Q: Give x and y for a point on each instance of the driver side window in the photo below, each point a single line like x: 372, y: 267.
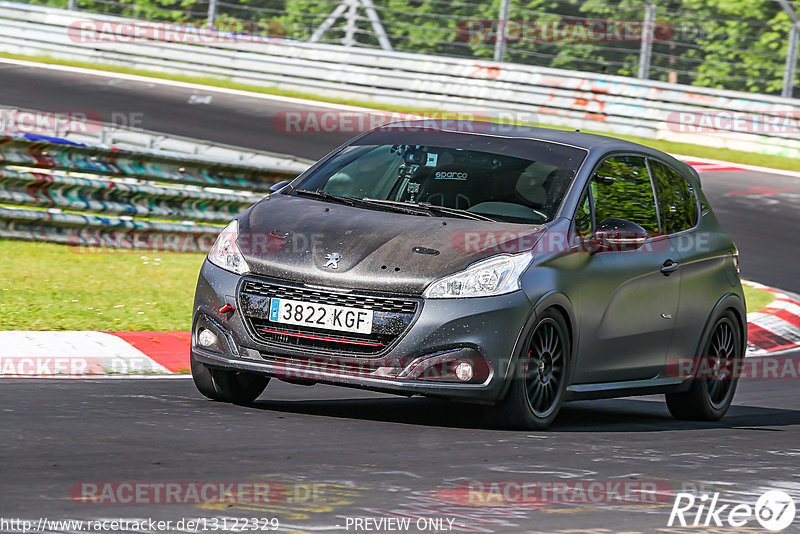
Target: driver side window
x: 621, y: 189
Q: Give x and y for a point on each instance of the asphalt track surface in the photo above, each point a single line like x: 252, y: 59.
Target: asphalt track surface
x: 372, y: 455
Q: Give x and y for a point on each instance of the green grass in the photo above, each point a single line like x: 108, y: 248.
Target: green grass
x: 756, y: 299
x: 54, y: 287
x: 700, y: 151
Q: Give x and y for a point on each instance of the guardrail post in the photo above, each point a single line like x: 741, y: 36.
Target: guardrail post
x: 791, y: 50
x: 500, y: 38
x: 648, y: 34
x: 72, y: 5
x: 791, y: 63
x: 377, y: 27
x: 350, y: 26
x: 212, y: 14
x: 351, y: 7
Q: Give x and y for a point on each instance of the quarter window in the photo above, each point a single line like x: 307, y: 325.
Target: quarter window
x: 621, y: 189
x: 583, y: 217
x: 677, y: 200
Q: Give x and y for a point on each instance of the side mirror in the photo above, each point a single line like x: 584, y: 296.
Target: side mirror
x: 619, y: 235
x: 280, y: 185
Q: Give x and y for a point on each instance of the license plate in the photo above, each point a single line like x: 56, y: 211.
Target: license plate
x: 325, y: 316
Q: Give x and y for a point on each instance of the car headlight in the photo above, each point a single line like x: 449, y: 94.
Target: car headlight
x: 494, y: 276
x: 225, y: 253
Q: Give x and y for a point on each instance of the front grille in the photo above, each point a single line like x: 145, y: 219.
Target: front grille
x: 391, y: 318
x: 320, y: 296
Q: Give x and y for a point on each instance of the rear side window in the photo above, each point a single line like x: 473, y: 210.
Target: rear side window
x: 677, y: 200
x: 621, y: 189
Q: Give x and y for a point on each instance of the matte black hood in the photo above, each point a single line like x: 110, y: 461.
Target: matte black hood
x: 288, y: 237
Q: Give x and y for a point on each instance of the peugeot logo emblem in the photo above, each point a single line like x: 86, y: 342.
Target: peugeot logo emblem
x: 333, y: 260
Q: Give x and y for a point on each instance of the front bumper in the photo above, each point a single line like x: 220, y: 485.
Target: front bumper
x: 484, y: 331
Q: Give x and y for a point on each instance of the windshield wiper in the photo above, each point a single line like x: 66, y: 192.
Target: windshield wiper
x: 364, y: 202
x: 434, y: 208
x: 422, y: 208
x: 326, y: 196
x: 456, y: 211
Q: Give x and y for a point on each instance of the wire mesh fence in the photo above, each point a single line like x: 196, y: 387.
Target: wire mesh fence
x: 745, y: 45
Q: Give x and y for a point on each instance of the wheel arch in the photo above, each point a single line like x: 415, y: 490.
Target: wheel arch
x: 732, y: 302
x: 560, y: 303
x: 728, y: 302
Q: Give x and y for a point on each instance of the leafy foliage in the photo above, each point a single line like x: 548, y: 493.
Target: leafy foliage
x: 726, y: 44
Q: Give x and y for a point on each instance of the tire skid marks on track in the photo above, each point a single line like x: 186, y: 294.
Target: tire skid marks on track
x: 300, y: 502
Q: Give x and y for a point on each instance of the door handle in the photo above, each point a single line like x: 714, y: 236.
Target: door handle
x: 669, y: 267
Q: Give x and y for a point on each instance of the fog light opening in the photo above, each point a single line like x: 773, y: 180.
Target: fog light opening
x: 464, y: 371
x: 206, y: 338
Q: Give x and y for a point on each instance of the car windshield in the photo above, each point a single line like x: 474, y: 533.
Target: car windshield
x: 520, y: 181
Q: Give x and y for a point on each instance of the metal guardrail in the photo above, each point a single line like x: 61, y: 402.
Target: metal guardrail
x: 573, y: 99
x: 104, y: 196
x: 119, y: 198
x: 142, y: 165
x: 85, y: 130
x: 95, y: 231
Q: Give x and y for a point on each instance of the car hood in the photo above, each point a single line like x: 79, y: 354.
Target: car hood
x: 290, y: 238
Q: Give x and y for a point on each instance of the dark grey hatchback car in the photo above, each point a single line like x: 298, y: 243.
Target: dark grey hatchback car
x: 503, y: 265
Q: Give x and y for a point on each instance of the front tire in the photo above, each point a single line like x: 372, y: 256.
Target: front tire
x: 540, y: 378
x: 237, y: 387
x: 716, y: 377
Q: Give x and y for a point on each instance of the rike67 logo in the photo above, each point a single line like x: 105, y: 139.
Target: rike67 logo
x: 774, y: 511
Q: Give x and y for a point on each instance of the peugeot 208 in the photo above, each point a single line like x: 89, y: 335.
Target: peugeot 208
x: 512, y: 266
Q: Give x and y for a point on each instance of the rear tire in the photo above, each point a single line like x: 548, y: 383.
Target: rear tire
x: 540, y: 376
x: 237, y: 387
x: 716, y: 378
